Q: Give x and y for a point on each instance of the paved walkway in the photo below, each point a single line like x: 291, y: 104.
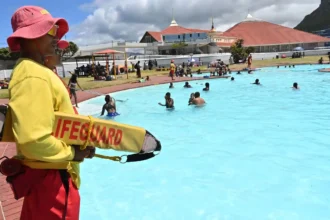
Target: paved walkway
x: 9, y: 207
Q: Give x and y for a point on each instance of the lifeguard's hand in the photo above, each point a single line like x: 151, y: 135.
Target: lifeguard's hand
x: 80, y: 155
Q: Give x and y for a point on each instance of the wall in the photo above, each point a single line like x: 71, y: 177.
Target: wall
x: 6, y: 64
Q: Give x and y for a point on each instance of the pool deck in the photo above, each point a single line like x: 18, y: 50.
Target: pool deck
x: 9, y: 207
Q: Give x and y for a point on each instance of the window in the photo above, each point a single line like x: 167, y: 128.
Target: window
x: 163, y: 38
x: 178, y: 36
x: 190, y: 35
x: 198, y: 35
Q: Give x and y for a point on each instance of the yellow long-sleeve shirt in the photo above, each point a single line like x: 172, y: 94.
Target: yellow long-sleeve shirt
x: 35, y: 94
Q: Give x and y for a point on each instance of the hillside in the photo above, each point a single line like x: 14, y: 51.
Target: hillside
x: 319, y: 19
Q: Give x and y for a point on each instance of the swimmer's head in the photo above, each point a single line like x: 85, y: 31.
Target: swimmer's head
x: 186, y: 83
x: 197, y: 94
x: 232, y: 78
x: 107, y: 98
x: 295, y: 85
x: 168, y: 95
x: 171, y: 84
x: 257, y: 80
x: 207, y: 85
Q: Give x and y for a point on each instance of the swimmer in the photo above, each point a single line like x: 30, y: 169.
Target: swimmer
x: 198, y: 100
x: 239, y: 72
x: 295, y: 86
x: 109, y: 106
x: 207, y: 87
x: 169, y: 102
x: 250, y: 72
x: 232, y: 79
x: 293, y: 66
x: 278, y: 67
x: 171, y: 86
x: 257, y: 82
x: 186, y: 85
x: 191, y: 99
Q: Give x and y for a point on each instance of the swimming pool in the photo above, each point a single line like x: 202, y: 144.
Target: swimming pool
x: 253, y: 152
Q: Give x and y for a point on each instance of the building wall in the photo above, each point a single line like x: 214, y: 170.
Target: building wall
x: 285, y: 47
x: 222, y: 39
x: 171, y: 38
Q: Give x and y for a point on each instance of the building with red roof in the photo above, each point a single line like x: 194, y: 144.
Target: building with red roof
x: 262, y: 35
x: 269, y: 37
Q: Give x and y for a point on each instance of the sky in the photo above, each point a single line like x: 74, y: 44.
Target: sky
x: 102, y: 21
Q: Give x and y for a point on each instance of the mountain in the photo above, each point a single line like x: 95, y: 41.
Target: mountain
x: 319, y: 19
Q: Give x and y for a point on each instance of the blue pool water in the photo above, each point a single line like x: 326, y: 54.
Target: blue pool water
x: 253, y: 152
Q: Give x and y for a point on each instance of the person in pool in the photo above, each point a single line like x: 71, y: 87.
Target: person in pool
x: 198, y: 100
x: 186, y: 85
x: 171, y: 85
x: 207, y: 87
x: 191, y: 99
x: 257, y: 82
x: 232, y: 79
x: 239, y: 72
x: 295, y: 86
x: 109, y: 106
x: 169, y: 102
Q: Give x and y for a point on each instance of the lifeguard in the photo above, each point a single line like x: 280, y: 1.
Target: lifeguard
x: 50, y: 184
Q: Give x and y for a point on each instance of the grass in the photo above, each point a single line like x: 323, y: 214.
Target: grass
x: 89, y: 83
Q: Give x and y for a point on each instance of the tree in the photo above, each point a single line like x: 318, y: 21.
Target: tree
x: 70, y: 51
x: 249, y: 50
x: 6, y: 55
x: 239, y: 52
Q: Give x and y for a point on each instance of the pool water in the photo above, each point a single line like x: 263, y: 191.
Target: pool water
x: 253, y: 152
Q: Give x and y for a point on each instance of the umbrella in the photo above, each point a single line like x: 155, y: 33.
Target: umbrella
x: 113, y: 52
x: 62, y: 44
x: 298, y: 49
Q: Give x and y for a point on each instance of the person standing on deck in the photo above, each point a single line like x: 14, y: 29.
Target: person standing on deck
x: 249, y: 61
x: 51, y: 179
x: 138, y: 69
x: 172, y: 69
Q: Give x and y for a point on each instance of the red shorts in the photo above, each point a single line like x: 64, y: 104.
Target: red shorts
x: 47, y: 200
x: 171, y: 73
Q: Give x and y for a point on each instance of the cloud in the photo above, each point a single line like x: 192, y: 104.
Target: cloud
x: 111, y: 20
